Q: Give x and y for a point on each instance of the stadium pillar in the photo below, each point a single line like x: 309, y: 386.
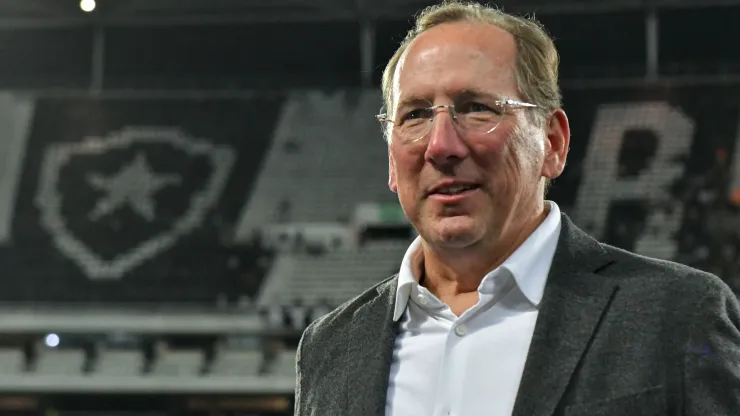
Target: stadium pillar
x: 367, y: 51
x: 652, y: 39
x: 97, y: 63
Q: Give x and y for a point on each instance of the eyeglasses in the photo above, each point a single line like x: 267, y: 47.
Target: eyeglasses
x: 414, y: 123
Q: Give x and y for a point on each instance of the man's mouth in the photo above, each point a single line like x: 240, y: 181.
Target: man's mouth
x: 451, y: 190
x: 454, y: 189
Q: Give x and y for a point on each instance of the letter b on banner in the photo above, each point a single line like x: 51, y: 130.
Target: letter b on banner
x: 601, y: 184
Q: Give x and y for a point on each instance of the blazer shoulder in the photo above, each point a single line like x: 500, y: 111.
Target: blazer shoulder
x: 629, y: 265
x: 328, y: 324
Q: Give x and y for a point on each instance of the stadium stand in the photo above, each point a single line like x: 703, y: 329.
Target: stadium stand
x: 326, y: 156
x: 333, y: 277
x: 118, y: 362
x: 658, y: 164
x: 269, y: 208
x: 12, y: 361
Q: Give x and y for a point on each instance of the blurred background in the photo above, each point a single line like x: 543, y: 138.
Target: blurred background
x: 186, y: 184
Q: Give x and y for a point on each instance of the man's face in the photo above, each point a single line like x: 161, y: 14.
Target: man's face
x: 503, y: 169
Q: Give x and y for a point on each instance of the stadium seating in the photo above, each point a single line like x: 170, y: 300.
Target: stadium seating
x: 326, y: 156
x: 233, y: 362
x: 177, y: 363
x: 119, y: 363
x: 12, y: 361
x: 284, y: 364
x: 110, y: 368
x: 334, y: 277
x: 59, y: 362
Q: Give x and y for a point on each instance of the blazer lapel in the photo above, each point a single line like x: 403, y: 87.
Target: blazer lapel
x: 573, y: 303
x: 373, y: 334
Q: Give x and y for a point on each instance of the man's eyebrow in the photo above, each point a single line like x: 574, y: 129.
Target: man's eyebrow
x: 412, y: 100
x: 464, y: 94
x: 472, y: 93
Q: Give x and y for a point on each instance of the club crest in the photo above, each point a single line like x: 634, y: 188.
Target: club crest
x: 111, y: 204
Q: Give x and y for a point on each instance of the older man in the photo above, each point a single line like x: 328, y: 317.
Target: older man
x: 501, y: 305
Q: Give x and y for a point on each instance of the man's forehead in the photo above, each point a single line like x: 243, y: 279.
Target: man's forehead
x: 473, y: 53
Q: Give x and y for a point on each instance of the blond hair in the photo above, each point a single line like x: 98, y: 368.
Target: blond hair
x: 537, y: 60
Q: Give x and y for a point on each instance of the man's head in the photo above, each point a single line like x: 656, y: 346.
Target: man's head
x: 474, y: 58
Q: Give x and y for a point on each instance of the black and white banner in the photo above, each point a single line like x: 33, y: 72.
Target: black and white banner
x: 128, y: 200
x: 657, y: 171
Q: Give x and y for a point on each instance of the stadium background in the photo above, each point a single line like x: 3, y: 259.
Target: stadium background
x: 184, y: 185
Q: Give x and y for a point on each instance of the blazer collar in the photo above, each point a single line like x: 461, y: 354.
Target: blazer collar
x: 575, y: 300
x: 371, y: 337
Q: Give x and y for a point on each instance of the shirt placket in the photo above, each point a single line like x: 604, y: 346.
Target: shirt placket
x: 447, y: 385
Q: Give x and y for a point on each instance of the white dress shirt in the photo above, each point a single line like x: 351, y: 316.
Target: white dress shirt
x: 471, y: 365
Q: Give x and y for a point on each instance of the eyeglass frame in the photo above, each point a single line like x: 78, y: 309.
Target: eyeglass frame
x: 512, y: 104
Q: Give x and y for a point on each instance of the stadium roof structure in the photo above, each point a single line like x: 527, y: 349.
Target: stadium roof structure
x: 29, y: 13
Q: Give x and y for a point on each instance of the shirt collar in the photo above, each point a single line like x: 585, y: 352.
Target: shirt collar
x: 406, y: 278
x: 529, y: 264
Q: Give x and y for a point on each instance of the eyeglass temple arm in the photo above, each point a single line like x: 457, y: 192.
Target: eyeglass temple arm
x: 384, y: 116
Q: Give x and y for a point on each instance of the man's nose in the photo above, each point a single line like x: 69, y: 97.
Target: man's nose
x: 445, y: 142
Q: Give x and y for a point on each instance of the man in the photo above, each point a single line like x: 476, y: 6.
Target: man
x: 502, y: 306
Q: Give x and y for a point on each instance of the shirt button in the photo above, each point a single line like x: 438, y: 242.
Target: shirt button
x: 461, y: 330
x: 423, y: 300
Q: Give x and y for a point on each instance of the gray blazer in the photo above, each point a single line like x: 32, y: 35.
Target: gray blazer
x: 617, y: 334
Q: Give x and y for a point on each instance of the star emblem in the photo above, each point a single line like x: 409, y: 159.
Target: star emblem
x: 134, y: 185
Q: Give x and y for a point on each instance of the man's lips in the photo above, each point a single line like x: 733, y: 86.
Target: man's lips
x: 452, y: 187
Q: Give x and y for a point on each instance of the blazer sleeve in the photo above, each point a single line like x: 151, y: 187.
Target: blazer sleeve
x: 712, y: 357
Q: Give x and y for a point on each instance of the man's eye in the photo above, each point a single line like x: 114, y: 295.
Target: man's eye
x: 418, y: 114
x: 475, y: 107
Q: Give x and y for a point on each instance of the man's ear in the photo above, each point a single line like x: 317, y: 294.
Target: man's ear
x: 557, y: 133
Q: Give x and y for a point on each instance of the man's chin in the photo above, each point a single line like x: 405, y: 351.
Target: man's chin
x: 458, y: 231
